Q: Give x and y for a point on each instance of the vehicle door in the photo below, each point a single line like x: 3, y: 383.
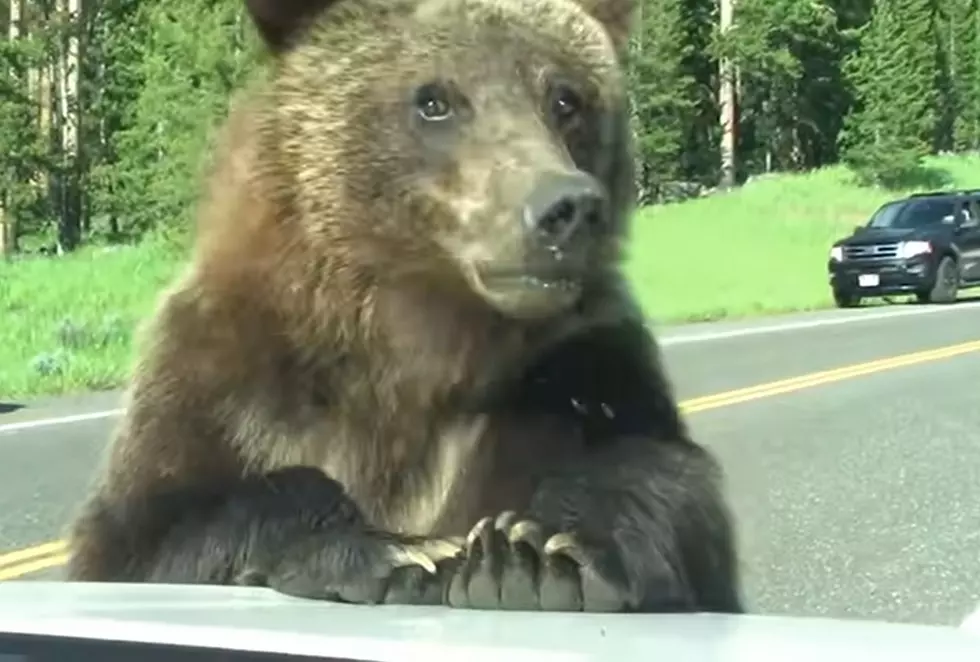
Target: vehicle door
x: 968, y: 240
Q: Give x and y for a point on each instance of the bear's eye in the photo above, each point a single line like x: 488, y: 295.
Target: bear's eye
x: 432, y: 102
x: 565, y: 103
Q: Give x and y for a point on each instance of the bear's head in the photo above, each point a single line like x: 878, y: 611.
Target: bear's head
x: 477, y: 146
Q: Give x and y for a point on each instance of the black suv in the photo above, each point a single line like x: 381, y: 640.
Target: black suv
x: 927, y: 244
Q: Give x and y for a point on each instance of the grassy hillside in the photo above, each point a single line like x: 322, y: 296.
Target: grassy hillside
x: 761, y: 248
x: 67, y: 323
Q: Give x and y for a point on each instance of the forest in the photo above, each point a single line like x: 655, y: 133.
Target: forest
x: 107, y: 106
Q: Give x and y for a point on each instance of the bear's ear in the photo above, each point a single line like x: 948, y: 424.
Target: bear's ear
x: 616, y: 15
x: 279, y: 22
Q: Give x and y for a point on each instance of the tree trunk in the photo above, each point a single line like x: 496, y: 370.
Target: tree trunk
x: 8, y: 223
x: 726, y: 94
x: 69, y: 217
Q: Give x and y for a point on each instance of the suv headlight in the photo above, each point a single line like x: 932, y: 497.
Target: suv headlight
x: 837, y: 254
x: 907, y: 249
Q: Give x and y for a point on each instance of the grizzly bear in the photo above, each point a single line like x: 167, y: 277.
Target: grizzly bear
x: 403, y: 365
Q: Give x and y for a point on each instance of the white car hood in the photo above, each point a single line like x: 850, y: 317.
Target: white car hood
x: 260, y: 620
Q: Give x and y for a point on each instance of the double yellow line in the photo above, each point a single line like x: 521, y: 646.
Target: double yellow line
x: 824, y: 377
x: 52, y: 554
x: 33, y: 559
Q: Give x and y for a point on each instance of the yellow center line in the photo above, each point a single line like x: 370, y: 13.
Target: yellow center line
x: 13, y: 558
x: 770, y: 389
x: 51, y: 554
x: 37, y: 564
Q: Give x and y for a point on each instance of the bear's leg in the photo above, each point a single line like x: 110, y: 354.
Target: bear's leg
x: 294, y: 530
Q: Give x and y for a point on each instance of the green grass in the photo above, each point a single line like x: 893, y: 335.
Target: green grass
x: 66, y: 324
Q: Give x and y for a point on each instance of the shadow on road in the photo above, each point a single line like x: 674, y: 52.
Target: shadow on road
x: 900, y: 300
x: 9, y: 407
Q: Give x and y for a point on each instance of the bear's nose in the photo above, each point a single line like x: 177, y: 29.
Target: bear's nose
x: 560, y: 205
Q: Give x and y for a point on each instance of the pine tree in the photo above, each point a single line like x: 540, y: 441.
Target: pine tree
x: 194, y: 49
x: 782, y: 49
x: 960, y: 36
x: 700, y: 156
x: 661, y: 93
x: 890, y: 128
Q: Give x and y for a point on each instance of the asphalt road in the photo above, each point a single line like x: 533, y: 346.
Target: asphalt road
x: 856, y: 497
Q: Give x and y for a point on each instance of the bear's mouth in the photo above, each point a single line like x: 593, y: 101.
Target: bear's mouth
x: 528, y: 293
x: 554, y: 278
x: 527, y: 281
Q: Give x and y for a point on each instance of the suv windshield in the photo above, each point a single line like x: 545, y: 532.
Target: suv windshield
x: 913, y: 213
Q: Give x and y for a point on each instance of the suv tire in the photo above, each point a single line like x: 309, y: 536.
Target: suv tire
x: 845, y: 299
x: 947, y: 283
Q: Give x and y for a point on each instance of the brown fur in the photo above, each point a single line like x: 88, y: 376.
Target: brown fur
x: 332, y: 317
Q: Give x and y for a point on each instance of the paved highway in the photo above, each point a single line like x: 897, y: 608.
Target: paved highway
x: 851, y: 441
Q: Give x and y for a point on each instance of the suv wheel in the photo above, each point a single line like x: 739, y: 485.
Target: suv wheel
x: 947, y: 283
x: 845, y: 299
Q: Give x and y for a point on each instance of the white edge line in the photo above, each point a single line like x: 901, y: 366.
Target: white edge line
x: 680, y: 339
x: 60, y: 420
x: 663, y: 342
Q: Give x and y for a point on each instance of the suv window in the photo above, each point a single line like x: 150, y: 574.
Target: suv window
x: 972, y: 212
x: 915, y: 213
x: 885, y: 215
